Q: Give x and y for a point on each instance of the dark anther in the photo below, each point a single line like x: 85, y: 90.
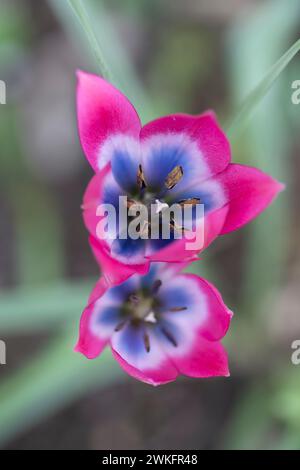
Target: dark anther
x: 140, y: 178
x: 121, y: 325
x: 193, y: 201
x: 133, y: 298
x: 169, y: 336
x: 156, y: 285
x: 177, y: 309
x: 176, y: 228
x: 147, y: 342
x: 174, y: 177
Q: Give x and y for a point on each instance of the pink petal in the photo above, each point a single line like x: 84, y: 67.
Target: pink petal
x: 88, y: 344
x: 113, y: 271
x: 152, y: 366
x: 92, y: 198
x: 162, y: 375
x: 207, y: 359
x: 198, y: 329
x: 219, y: 315
x: 98, y: 290
x: 180, y: 250
x: 249, y: 191
x: 175, y: 252
x: 102, y: 111
x: 203, y: 129
x: 167, y: 271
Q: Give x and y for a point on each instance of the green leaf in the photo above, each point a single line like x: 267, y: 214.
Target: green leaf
x: 260, y: 91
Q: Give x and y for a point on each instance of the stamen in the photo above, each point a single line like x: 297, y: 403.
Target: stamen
x: 193, y: 201
x: 138, y: 206
x: 133, y: 298
x: 176, y: 228
x: 140, y: 178
x: 177, y: 309
x: 174, y: 177
x: 156, y: 285
x: 169, y: 336
x: 121, y: 325
x: 146, y: 342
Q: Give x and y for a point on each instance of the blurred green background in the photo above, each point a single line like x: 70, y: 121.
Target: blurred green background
x: 167, y: 56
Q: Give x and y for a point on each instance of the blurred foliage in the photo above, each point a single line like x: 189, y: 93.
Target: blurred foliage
x: 14, y: 34
x: 172, y: 79
x: 179, y: 62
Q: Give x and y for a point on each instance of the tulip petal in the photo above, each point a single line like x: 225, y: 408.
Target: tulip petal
x: 152, y: 367
x: 214, y: 148
x: 248, y: 191
x: 187, y: 249
x: 125, y: 161
x: 207, y: 359
x: 218, y: 316
x: 193, y: 319
x: 102, y: 189
x: 113, y: 270
x: 90, y: 344
x: 102, y: 111
x: 129, y: 251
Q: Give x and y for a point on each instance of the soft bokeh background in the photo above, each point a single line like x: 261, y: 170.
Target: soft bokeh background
x: 167, y: 56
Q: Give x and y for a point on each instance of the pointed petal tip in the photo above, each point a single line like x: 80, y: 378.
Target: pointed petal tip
x: 211, y: 113
x: 81, y: 74
x: 78, y: 72
x: 281, y: 186
x: 277, y: 186
x: 81, y: 350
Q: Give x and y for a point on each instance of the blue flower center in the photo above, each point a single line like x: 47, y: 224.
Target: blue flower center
x: 144, y: 309
x: 146, y: 198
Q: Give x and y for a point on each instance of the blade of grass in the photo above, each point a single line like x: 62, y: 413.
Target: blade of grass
x: 260, y: 91
x: 83, y: 18
x: 266, y: 144
x: 56, y: 377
